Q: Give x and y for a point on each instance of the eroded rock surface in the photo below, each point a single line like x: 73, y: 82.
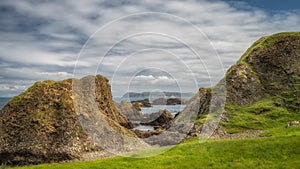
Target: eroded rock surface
x: 41, y: 125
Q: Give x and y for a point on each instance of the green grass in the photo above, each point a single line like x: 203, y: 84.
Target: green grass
x: 273, y: 152
x: 281, y: 131
x: 261, y: 115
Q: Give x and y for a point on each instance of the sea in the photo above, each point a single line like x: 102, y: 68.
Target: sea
x: 3, y: 101
x: 174, y: 109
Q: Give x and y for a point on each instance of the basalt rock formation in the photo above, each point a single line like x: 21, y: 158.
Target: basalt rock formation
x: 270, y: 69
x: 41, y: 124
x: 271, y: 66
x: 130, y: 111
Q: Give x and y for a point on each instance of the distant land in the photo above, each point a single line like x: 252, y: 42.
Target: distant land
x: 133, y: 96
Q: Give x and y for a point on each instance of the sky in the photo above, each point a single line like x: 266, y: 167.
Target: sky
x: 146, y: 45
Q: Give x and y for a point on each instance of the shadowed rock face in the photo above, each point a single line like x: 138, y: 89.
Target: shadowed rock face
x: 41, y: 125
x: 129, y: 110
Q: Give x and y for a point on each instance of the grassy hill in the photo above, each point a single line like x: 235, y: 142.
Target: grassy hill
x: 263, y: 87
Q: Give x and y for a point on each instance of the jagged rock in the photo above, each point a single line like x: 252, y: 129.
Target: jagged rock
x: 269, y: 68
x: 160, y: 118
x: 170, y: 101
x: 105, y: 102
x: 146, y: 133
x: 130, y: 111
x: 161, y: 121
x: 243, y: 86
x: 175, y: 101
x: 41, y: 124
x: 137, y: 106
x: 204, y: 95
x: 141, y: 103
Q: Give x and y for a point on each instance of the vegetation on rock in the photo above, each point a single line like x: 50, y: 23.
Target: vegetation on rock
x: 263, y: 87
x: 41, y: 124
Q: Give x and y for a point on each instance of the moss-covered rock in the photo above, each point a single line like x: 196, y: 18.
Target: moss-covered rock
x: 41, y: 125
x: 262, y: 88
x: 270, y: 67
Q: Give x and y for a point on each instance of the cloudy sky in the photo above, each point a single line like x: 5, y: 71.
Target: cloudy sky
x: 147, y: 45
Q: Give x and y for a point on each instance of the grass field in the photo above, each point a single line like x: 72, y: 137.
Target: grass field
x: 270, y: 152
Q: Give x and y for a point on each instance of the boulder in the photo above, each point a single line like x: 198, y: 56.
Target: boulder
x: 160, y: 118
x: 141, y: 103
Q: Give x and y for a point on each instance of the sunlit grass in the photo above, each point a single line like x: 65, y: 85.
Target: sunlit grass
x: 273, y: 152
x: 261, y: 115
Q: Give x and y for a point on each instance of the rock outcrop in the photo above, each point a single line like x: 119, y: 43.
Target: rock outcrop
x: 41, y: 125
x: 160, y: 118
x: 269, y: 68
x: 204, y: 95
x: 141, y: 103
x: 170, y: 101
x: 130, y: 111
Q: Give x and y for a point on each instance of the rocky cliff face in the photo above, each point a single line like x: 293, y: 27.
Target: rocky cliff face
x: 41, y: 125
x: 270, y: 68
x: 130, y: 111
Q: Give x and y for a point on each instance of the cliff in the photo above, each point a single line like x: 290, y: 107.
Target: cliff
x: 42, y: 124
x: 271, y: 66
x: 262, y: 88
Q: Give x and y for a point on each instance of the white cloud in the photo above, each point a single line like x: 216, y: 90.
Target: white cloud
x: 150, y: 79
